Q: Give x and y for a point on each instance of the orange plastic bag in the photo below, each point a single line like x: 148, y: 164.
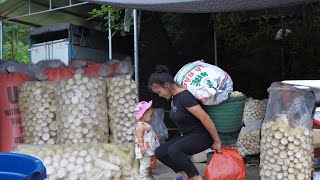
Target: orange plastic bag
x: 228, y: 165
x: 59, y: 74
x: 153, y: 163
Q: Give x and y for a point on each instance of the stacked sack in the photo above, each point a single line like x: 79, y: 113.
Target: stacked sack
x: 12, y: 76
x: 73, y: 110
x: 67, y: 107
x: 254, y: 109
x: 82, y: 110
x: 122, y: 100
x: 249, y: 137
x: 65, y: 119
x: 38, y: 107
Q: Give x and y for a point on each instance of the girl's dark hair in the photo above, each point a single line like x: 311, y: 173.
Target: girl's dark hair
x: 161, y: 76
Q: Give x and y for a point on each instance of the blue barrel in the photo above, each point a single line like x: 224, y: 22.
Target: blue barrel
x: 21, y: 167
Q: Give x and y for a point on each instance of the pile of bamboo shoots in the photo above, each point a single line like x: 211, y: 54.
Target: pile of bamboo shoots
x: 254, y: 109
x: 86, y: 161
x: 38, y: 108
x: 236, y: 94
x: 122, y: 100
x: 249, y: 138
x: 82, y: 110
x: 286, y: 151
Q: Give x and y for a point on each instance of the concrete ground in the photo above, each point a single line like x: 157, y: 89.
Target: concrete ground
x: 162, y: 172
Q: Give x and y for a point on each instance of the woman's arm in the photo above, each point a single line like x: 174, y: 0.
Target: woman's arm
x: 207, y: 122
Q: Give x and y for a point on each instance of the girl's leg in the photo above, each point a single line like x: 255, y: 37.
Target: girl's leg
x: 145, y: 163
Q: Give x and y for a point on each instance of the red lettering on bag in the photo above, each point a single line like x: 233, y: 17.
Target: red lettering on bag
x: 185, y: 85
x: 199, y: 68
x: 191, y: 74
x: 187, y: 80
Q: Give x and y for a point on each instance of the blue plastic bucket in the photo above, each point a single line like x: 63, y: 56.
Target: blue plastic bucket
x: 22, y: 167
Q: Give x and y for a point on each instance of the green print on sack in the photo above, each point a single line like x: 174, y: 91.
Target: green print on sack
x: 218, y: 81
x: 224, y: 87
x: 196, y: 81
x: 189, y: 74
x: 209, y: 83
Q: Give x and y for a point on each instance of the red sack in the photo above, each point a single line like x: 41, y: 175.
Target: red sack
x: 153, y: 162
x: 54, y: 70
x: 87, y: 67
x: 93, y: 70
x: 11, y: 131
x: 59, y: 74
x: 98, y: 70
x: 120, y: 67
x: 228, y: 165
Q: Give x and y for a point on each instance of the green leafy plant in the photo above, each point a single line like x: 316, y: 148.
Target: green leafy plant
x: 15, y: 44
x: 226, y: 24
x: 116, y: 17
x: 251, y: 35
x: 237, y: 29
x: 173, y: 24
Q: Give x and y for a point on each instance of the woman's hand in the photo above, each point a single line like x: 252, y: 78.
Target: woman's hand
x: 217, y: 146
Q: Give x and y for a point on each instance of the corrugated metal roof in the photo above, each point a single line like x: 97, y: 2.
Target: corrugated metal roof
x: 76, y: 14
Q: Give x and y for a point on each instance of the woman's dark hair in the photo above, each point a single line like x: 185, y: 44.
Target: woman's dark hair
x: 161, y: 76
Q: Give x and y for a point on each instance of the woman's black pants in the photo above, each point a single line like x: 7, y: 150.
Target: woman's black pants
x: 174, y: 153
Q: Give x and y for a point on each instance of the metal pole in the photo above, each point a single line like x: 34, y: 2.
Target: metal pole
x: 110, y: 35
x: 50, y: 4
x: 29, y: 5
x: 139, y: 22
x: 1, y: 39
x: 135, y: 41
x: 215, y: 46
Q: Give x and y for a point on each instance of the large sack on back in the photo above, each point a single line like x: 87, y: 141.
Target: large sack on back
x: 208, y: 83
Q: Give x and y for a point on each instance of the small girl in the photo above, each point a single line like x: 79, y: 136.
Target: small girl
x: 145, y: 138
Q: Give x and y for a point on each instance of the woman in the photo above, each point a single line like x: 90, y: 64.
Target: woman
x: 198, y: 130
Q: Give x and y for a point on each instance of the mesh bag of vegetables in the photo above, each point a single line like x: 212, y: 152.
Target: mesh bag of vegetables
x: 122, y: 99
x: 82, y: 110
x: 38, y: 110
x: 249, y: 138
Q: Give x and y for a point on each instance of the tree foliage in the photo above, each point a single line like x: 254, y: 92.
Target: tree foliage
x: 117, y: 17
x: 15, y: 42
x: 296, y: 53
